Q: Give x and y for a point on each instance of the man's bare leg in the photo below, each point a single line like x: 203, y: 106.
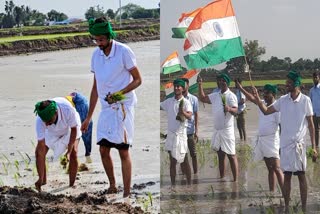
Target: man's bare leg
x: 287, y: 189
x: 271, y: 174
x: 73, y: 165
x: 41, y: 152
x: 222, y: 162
x: 173, y: 163
x: 126, y: 171
x: 234, y: 166
x: 187, y: 169
x: 108, y: 167
x: 278, y: 171
x: 303, y: 190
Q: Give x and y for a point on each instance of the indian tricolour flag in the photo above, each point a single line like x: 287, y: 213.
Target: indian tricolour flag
x: 183, y: 24
x: 213, y: 36
x: 193, y: 86
x: 171, y: 64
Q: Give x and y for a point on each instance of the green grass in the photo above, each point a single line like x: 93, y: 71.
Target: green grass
x: 207, y: 85
x: 35, y: 37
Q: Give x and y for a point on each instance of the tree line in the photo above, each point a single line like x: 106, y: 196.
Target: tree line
x: 254, y: 52
x: 16, y: 16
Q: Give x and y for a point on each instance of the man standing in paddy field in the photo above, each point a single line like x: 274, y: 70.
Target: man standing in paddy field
x: 192, y: 128
x: 115, y: 72
x: 224, y: 107
x: 296, y: 116
x: 241, y: 121
x: 178, y: 110
x: 315, y: 99
x: 267, y: 141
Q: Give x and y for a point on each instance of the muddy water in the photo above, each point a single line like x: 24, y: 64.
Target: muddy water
x: 209, y: 194
x: 28, y: 79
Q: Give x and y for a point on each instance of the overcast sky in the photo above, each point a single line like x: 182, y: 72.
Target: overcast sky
x: 77, y: 8
x: 284, y: 27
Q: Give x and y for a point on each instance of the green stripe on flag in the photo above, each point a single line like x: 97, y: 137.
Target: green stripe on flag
x: 179, y: 32
x: 171, y: 69
x: 215, y: 53
x: 193, y: 88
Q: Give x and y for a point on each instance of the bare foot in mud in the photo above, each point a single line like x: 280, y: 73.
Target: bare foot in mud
x: 126, y: 194
x: 112, y: 190
x: 38, y: 185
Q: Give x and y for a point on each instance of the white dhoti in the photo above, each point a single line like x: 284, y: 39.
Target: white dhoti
x: 266, y: 147
x: 224, y: 139
x: 293, y: 157
x: 59, y: 144
x: 177, y: 144
x: 116, y: 124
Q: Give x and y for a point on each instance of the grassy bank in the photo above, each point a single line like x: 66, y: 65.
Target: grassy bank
x: 258, y: 83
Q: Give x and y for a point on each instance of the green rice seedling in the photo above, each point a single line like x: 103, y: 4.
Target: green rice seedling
x: 16, y: 177
x: 1, y: 182
x: 5, y: 157
x: 5, y: 168
x: 34, y: 170
x: 269, y: 210
x: 33, y: 144
x: 26, y: 159
x: 211, y: 192
x: 16, y: 164
x: 150, y: 198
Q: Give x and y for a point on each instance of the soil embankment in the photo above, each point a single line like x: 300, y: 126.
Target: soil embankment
x: 70, y: 42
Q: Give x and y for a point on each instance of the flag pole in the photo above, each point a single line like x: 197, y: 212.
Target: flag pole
x: 247, y: 66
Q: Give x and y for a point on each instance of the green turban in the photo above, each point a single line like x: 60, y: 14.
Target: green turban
x: 179, y: 82
x: 295, y: 77
x: 48, y: 112
x: 271, y: 88
x: 225, y: 77
x: 103, y: 28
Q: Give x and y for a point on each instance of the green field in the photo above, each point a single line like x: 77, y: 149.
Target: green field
x: 248, y: 83
x: 35, y: 37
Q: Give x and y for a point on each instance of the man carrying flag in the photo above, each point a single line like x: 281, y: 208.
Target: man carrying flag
x: 224, y: 107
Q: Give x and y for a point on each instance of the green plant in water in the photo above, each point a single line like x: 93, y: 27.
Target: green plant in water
x: 150, y: 198
x: 33, y: 144
x: 16, y: 164
x: 6, y: 158
x: 5, y: 168
x: 16, y: 177
x: 1, y: 182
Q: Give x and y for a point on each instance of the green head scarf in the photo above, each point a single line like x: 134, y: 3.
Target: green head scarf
x: 103, y: 28
x: 295, y: 77
x: 48, y: 112
x: 179, y: 82
x: 225, y: 77
x: 271, y: 88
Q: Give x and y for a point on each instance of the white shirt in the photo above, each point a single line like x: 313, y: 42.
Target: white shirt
x: 293, y: 117
x: 67, y: 118
x: 195, y: 106
x: 268, y: 124
x: 315, y: 99
x: 222, y: 120
x: 112, y: 72
x: 171, y: 106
